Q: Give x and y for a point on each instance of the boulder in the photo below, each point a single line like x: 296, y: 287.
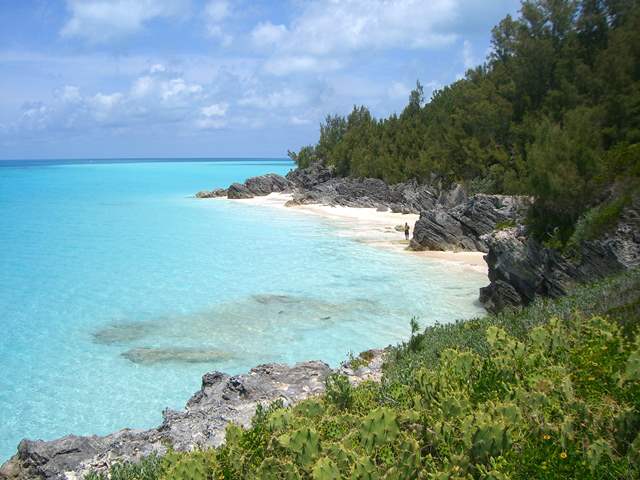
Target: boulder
x: 461, y: 227
x: 238, y: 191
x: 310, y: 176
x: 266, y: 184
x: 217, y: 192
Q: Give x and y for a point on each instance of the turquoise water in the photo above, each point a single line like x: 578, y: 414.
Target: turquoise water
x: 118, y: 290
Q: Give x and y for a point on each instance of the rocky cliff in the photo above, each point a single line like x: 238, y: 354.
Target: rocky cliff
x: 520, y: 268
x: 221, y: 400
x: 462, y: 226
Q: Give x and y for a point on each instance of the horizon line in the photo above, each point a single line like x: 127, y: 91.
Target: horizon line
x: 53, y: 159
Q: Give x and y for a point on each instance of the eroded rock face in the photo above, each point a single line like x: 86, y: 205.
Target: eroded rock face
x: 311, y: 176
x: 254, y: 186
x: 461, y: 227
x: 221, y: 399
x: 318, y: 184
x: 520, y: 268
x: 266, y: 184
x: 217, y: 192
x: 239, y: 191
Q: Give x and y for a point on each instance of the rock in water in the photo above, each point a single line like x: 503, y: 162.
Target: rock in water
x: 238, y: 191
x: 151, y: 356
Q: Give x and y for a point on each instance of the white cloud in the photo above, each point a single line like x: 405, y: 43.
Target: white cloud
x: 328, y: 29
x: 70, y: 93
x: 215, y: 12
x: 212, y: 116
x: 215, y: 110
x: 151, y: 99
x: 284, y: 65
x: 296, y: 120
x: 328, y: 26
x: 157, y: 68
x: 142, y: 86
x: 285, y: 98
x: 104, y: 104
x: 266, y: 34
x: 100, y: 21
x: 178, y: 88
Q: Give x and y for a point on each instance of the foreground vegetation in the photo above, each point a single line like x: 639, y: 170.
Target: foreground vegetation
x: 554, y: 113
x: 550, y: 392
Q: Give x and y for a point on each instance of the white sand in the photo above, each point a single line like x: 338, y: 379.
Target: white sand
x: 370, y: 226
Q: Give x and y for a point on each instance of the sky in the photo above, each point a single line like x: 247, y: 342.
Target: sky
x: 219, y: 78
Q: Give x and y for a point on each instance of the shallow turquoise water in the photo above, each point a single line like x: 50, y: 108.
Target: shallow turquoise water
x: 118, y: 290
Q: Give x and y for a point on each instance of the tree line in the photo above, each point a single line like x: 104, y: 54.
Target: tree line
x: 554, y: 112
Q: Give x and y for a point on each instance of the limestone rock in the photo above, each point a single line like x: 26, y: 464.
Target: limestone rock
x: 461, y: 227
x: 266, y: 184
x: 217, y: 192
x: 239, y: 191
x: 520, y: 268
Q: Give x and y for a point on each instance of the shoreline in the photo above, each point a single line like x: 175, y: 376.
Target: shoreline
x: 371, y: 227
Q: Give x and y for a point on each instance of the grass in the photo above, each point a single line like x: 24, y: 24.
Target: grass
x: 549, y: 392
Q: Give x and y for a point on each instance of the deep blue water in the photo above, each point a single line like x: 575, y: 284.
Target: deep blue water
x: 118, y: 290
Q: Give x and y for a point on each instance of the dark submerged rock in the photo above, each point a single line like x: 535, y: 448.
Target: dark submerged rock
x: 152, y: 356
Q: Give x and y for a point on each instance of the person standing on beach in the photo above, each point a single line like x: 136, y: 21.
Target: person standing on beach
x: 406, y: 231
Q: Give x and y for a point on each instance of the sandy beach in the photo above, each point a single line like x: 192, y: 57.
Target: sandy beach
x: 367, y: 225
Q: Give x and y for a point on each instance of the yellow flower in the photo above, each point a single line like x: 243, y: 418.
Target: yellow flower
x: 546, y: 437
x: 563, y: 455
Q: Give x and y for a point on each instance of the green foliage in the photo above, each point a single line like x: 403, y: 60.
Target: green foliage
x: 378, y: 428
x: 305, y: 157
x: 550, y: 392
x: 338, y: 391
x: 598, y: 220
x: 149, y: 468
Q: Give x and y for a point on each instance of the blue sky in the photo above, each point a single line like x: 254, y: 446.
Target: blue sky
x: 146, y: 78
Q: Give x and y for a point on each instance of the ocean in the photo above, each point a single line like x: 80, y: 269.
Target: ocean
x: 119, y: 290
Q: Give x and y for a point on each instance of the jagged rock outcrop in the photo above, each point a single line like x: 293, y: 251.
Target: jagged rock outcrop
x: 252, y: 187
x: 520, y: 268
x: 311, y: 176
x: 318, y: 184
x: 238, y: 191
x: 461, y: 227
x: 266, y: 184
x: 215, y: 193
x: 221, y: 400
